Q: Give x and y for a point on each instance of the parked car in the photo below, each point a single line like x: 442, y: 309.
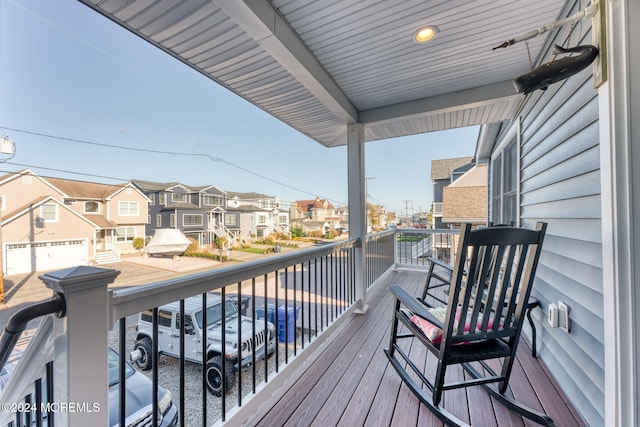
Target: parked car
x: 139, y: 391
x: 238, y: 355
x: 138, y: 400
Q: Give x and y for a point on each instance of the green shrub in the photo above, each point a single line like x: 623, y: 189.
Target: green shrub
x: 297, y: 232
x: 138, y: 243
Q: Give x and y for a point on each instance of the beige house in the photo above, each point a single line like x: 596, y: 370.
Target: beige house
x: 315, y: 210
x: 52, y: 223
x: 465, y: 199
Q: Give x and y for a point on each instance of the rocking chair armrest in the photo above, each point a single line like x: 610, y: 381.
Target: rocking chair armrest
x: 440, y: 263
x: 414, y: 305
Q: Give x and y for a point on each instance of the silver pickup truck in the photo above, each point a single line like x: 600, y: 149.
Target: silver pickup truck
x: 238, y: 353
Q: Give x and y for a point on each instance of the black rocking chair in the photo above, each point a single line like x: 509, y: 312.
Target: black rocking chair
x: 490, y: 285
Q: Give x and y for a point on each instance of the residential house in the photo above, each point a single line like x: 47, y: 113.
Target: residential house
x: 318, y: 210
x: 257, y: 215
x: 198, y: 212
x: 443, y: 173
x: 52, y: 223
x: 465, y: 199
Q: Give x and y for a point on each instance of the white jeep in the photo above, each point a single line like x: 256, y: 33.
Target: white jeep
x: 237, y: 355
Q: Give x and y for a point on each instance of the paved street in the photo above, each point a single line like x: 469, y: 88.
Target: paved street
x: 22, y: 290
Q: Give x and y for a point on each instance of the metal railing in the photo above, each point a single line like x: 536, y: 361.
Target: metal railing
x: 304, y: 294
x: 414, y: 246
x: 381, y: 255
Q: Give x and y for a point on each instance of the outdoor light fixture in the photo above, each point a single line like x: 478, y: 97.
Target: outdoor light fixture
x: 425, y: 34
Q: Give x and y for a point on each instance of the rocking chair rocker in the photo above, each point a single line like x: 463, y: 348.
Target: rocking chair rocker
x: 490, y: 285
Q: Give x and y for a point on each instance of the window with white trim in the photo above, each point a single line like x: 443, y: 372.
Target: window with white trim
x: 158, y: 220
x: 230, y: 220
x: 212, y: 200
x: 49, y: 212
x: 504, y: 182
x: 262, y: 219
x: 162, y: 199
x: 128, y: 208
x: 178, y: 197
x: 193, y: 220
x: 172, y: 220
x: 125, y: 234
x: 91, y: 207
x: 152, y: 198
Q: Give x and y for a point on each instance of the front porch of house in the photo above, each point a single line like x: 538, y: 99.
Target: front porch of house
x: 328, y: 369
x: 350, y: 382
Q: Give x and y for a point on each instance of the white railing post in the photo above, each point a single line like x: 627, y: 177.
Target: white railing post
x: 81, y: 383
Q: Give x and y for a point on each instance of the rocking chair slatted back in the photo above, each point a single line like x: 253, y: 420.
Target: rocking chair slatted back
x: 491, y: 281
x: 493, y: 289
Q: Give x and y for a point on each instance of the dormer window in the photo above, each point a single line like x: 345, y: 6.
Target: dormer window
x: 178, y: 197
x: 91, y: 207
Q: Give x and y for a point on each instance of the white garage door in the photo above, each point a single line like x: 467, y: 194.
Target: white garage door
x: 39, y: 256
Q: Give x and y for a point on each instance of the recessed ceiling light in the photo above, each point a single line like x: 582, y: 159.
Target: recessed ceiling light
x: 425, y: 34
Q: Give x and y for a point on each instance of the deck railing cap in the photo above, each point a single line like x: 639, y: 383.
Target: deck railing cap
x: 81, y: 277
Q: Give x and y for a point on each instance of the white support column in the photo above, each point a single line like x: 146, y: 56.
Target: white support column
x: 357, y: 209
x: 620, y: 185
x: 81, y: 380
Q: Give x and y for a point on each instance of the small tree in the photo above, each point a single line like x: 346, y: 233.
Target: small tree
x: 138, y: 243
x: 221, y: 242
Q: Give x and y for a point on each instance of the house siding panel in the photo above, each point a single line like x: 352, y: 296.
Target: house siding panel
x: 560, y: 184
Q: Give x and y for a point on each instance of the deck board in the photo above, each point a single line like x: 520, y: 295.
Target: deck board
x: 351, y: 383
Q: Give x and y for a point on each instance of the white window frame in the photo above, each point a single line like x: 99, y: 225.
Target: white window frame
x: 179, y: 197
x: 158, y: 220
x: 152, y: 198
x: 262, y: 219
x: 56, y: 214
x: 194, y: 216
x: 126, y: 208
x: 172, y: 220
x: 229, y: 220
x: 512, y: 136
x: 212, y: 200
x: 162, y: 199
x: 129, y: 234
x: 97, y: 211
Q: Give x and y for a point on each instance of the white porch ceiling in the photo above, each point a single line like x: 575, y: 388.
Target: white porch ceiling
x: 319, y: 65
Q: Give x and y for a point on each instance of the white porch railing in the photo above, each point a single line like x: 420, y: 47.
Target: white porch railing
x: 320, y: 282
x: 414, y: 246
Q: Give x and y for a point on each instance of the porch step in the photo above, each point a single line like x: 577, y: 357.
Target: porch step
x: 106, y: 257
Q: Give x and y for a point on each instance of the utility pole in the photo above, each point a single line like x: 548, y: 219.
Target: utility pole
x: 406, y: 210
x: 7, y: 146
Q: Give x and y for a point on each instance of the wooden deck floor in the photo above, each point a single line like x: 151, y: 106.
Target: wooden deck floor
x: 352, y: 383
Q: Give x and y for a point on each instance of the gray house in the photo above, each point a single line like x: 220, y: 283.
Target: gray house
x: 548, y: 164
x: 199, y: 212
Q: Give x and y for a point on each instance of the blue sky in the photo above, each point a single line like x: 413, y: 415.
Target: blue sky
x: 74, y: 86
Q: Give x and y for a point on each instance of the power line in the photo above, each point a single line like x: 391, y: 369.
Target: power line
x: 146, y: 150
